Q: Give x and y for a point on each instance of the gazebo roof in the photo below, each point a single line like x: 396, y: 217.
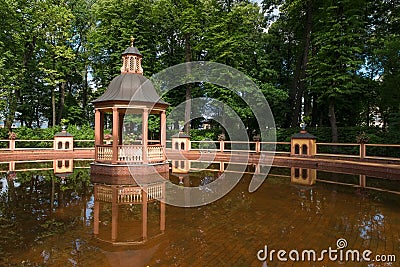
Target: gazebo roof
x: 63, y: 134
x: 132, y: 50
x: 181, y: 135
x: 304, y: 135
x: 130, y: 87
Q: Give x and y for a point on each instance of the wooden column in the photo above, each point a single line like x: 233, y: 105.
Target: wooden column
x: 97, y: 132
x: 97, y: 127
x: 363, y: 180
x: 162, y: 210
x: 114, y: 214
x: 144, y: 213
x: 163, y: 129
x: 101, y: 127
x: 11, y: 166
x: 120, y: 127
x: 115, y: 133
x: 96, y: 216
x: 145, y: 126
x: 362, y: 151
x: 258, y: 147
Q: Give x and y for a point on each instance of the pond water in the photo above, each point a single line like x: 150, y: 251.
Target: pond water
x: 50, y: 220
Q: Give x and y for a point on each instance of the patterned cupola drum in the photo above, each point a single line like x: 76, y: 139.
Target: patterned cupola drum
x: 126, y: 105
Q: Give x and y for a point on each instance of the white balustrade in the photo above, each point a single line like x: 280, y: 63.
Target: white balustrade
x: 155, y: 153
x: 103, y: 193
x: 104, y: 153
x: 130, y: 153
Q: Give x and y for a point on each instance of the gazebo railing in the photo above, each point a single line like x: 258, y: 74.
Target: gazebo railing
x: 104, y: 152
x: 129, y: 194
x: 155, y: 153
x: 130, y: 153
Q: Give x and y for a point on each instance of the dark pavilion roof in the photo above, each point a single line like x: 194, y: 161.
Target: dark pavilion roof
x: 180, y: 135
x: 131, y: 87
x: 304, y: 135
x: 131, y: 50
x: 63, y: 134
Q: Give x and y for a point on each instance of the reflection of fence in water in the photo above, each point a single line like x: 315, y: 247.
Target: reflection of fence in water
x: 39, y: 165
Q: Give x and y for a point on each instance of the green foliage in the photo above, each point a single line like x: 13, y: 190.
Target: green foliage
x: 206, y: 134
x: 56, y: 57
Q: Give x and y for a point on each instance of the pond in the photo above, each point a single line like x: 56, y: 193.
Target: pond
x: 50, y: 219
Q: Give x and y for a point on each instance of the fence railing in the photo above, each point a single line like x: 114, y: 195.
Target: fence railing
x: 20, y: 144
x: 339, y: 150
x: 343, y: 150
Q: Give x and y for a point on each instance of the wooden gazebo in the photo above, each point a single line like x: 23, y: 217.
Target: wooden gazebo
x: 129, y: 93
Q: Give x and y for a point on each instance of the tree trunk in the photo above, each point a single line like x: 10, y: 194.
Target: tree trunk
x: 314, y: 112
x: 332, y: 120
x: 300, y: 74
x: 188, y: 94
x: 84, y: 94
x: 53, y: 106
x: 62, y: 102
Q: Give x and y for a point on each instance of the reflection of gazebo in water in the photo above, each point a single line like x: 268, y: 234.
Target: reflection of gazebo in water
x: 129, y: 215
x: 129, y: 94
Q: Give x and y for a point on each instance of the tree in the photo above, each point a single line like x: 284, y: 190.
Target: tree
x: 336, y: 58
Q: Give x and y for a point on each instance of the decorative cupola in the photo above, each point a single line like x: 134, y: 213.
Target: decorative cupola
x: 132, y: 60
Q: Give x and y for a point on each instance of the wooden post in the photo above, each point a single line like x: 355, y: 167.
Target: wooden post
x: 12, y: 144
x: 145, y: 124
x: 162, y: 210
x: 114, y: 214
x: 221, y: 145
x: 363, y: 180
x: 362, y: 150
x: 258, y: 147
x: 97, y: 132
x: 163, y: 129
x: 115, y: 133
x: 11, y: 166
x: 97, y: 127
x: 101, y: 127
x: 144, y: 213
x: 120, y: 127
x: 96, y: 215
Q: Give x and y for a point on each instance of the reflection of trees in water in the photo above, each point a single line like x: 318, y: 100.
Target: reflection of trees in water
x: 29, y: 213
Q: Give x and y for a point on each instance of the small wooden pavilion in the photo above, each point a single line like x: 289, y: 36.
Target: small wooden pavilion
x: 128, y: 93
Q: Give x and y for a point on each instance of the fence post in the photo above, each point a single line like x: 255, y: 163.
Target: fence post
x: 12, y: 144
x: 221, y: 145
x: 258, y: 147
x: 362, y: 150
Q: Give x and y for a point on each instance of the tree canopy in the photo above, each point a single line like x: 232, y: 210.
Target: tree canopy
x: 330, y: 63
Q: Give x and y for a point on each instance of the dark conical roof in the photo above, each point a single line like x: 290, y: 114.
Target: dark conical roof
x: 304, y: 135
x: 181, y: 135
x: 131, y: 50
x: 131, y: 87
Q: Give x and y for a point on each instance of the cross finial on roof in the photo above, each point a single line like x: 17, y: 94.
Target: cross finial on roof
x: 132, y: 41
